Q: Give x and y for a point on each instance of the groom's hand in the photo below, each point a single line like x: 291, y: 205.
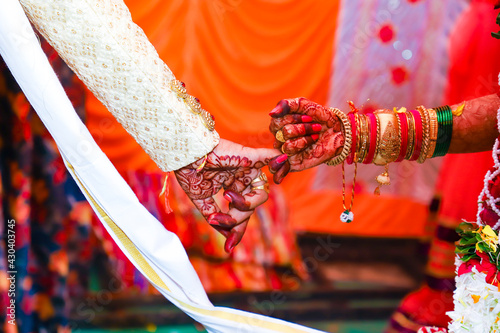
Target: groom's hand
x: 236, y: 169
x: 309, y: 133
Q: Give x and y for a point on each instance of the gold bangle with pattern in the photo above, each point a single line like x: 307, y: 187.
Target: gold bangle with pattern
x: 411, y: 135
x: 433, y: 132
x: 424, y: 113
x: 389, y: 142
x: 347, y: 131
x: 364, y: 138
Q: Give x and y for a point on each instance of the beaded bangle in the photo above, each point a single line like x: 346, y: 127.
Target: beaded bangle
x: 372, y: 125
x: 347, y: 138
x: 445, y: 130
x: 352, y: 120
x: 418, y: 135
x: 426, y: 134
x: 411, y: 135
x: 433, y: 132
x: 403, y: 135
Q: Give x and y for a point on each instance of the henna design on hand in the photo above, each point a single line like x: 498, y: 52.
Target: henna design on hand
x: 306, y: 150
x: 231, y: 167
x: 476, y: 129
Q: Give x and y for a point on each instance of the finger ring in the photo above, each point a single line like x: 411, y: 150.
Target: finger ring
x: 264, y: 187
x: 260, y: 178
x: 279, y: 136
x: 283, y: 149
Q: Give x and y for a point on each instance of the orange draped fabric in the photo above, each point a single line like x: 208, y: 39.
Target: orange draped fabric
x: 238, y: 57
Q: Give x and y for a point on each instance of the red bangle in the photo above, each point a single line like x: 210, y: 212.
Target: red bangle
x: 403, y: 130
x: 352, y: 119
x: 418, y: 135
x: 373, y: 138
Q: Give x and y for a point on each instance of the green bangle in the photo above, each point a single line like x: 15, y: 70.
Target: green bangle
x: 445, y: 130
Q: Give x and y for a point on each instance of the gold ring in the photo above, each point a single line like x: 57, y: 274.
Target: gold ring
x: 264, y: 187
x: 260, y: 178
x: 279, y: 136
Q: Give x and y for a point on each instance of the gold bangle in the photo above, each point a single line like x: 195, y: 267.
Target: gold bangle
x: 377, y: 137
x: 411, y: 135
x: 367, y: 135
x: 359, y: 145
x: 424, y: 113
x: 388, y: 143
x: 347, y: 138
x: 364, y: 138
x: 433, y: 132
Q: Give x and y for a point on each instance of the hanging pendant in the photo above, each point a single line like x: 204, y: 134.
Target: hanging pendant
x: 382, y: 179
x: 347, y: 216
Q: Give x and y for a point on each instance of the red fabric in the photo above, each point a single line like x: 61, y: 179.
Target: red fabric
x: 473, y: 73
x: 418, y: 134
x: 428, y: 307
x: 404, y: 136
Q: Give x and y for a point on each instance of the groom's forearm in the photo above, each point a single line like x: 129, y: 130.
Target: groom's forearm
x: 115, y: 60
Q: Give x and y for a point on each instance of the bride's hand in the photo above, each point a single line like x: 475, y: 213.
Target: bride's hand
x: 235, y: 169
x: 311, y: 134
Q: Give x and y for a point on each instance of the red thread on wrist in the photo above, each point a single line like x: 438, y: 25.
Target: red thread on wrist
x: 373, y: 138
x: 352, y: 120
x: 418, y: 135
x: 404, y: 136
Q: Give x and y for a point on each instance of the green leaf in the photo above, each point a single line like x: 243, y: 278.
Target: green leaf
x: 467, y: 241
x: 469, y: 257
x: 483, y: 247
x: 465, y: 227
x: 465, y: 250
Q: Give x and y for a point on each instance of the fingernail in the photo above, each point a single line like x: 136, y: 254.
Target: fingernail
x: 276, y: 110
x: 281, y: 109
x: 214, y: 222
x: 228, y: 197
x: 316, y: 127
x: 315, y: 137
x: 306, y: 119
x: 221, y: 220
x: 281, y: 159
x: 230, y: 243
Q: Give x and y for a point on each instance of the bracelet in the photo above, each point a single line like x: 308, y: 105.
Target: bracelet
x: 433, y: 133
x: 426, y: 133
x: 410, y: 122
x: 417, y: 121
x: 373, y: 135
x: 352, y: 120
x: 347, y: 138
x: 389, y: 141
x: 403, y: 135
x: 364, y: 138
x: 445, y: 130
x: 357, y: 118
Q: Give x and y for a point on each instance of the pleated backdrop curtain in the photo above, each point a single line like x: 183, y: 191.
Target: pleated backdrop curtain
x: 241, y: 57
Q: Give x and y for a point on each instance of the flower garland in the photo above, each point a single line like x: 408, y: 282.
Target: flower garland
x: 477, y: 294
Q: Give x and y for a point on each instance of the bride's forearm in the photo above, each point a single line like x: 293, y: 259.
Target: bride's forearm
x: 476, y: 129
